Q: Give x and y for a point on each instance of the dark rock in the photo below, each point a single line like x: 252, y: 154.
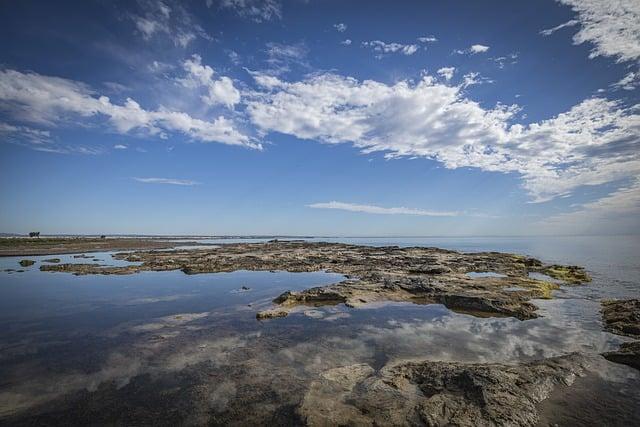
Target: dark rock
x: 27, y: 263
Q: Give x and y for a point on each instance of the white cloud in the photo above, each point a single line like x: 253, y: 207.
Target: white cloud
x: 255, y: 10
x: 478, y: 48
x: 352, y: 207
x: 168, y: 181
x: 427, y: 39
x: 473, y: 50
x: 340, y: 27
x: 51, y: 101
x: 382, y: 47
x: 219, y: 91
x: 120, y: 147
x: 550, y: 31
x: 593, y: 143
x: 346, y: 42
x: 447, y: 72
x: 629, y: 82
x: 172, y: 21
x: 613, y: 27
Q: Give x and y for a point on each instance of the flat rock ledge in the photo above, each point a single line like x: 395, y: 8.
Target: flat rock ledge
x: 416, y: 274
x: 437, y: 393
x: 622, y: 317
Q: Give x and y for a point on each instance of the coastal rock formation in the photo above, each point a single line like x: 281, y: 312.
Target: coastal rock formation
x: 26, y: 263
x: 416, y: 274
x: 52, y: 260
x: 436, y: 393
x: 622, y: 317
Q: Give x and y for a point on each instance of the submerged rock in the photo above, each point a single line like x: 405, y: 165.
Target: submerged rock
x: 437, y: 393
x: 26, y: 263
x: 52, y: 260
x: 627, y: 354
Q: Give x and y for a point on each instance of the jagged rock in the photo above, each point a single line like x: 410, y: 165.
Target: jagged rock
x: 436, y: 393
x: 627, y: 354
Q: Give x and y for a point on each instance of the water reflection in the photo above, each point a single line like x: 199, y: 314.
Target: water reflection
x: 188, y: 349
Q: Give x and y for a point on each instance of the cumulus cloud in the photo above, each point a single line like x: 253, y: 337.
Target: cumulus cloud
x: 352, y: 207
x: 255, y: 10
x: 51, y: 101
x: 340, y: 27
x: 612, y: 27
x: 550, y: 31
x: 447, y: 72
x: 218, y: 91
x: 168, y: 181
x: 382, y: 47
x: 472, y: 50
x: 346, y: 42
x: 593, y: 143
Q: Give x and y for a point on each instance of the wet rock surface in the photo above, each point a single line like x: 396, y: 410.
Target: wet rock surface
x: 437, y: 393
x: 622, y: 317
x: 417, y: 274
x: 26, y: 263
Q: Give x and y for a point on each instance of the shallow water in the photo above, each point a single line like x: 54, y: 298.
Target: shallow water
x: 167, y: 348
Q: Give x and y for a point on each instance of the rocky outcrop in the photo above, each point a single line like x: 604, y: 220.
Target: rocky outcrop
x: 52, y: 260
x: 622, y: 317
x: 26, y: 263
x: 436, y: 393
x: 417, y: 274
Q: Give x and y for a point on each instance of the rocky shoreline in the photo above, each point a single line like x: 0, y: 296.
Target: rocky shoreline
x: 416, y: 274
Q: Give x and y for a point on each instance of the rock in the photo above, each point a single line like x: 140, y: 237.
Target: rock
x: 627, y: 354
x: 622, y: 317
x: 52, y: 260
x: 270, y: 314
x: 26, y: 263
x: 437, y: 393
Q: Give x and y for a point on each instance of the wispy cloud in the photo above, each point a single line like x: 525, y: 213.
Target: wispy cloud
x: 255, y: 10
x: 352, y: 207
x: 550, y: 31
x: 427, y: 39
x: 340, y: 27
x: 168, y: 181
x: 612, y: 27
x: 382, y: 47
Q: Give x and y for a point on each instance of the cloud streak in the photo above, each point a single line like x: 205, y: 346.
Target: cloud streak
x: 370, y: 209
x: 167, y: 181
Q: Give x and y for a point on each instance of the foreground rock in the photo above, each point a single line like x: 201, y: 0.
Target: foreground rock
x: 437, y: 393
x: 417, y: 274
x: 622, y: 317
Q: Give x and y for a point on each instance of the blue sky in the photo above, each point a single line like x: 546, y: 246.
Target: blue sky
x: 320, y: 117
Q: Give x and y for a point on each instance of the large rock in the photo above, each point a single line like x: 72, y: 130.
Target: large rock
x: 437, y: 393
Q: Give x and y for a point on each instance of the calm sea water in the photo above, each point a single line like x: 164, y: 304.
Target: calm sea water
x: 167, y: 348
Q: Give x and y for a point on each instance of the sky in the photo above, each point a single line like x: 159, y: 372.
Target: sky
x: 334, y: 118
